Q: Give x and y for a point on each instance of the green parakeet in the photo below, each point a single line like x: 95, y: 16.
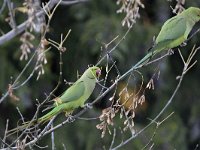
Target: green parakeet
x: 74, y: 97
x: 174, y: 32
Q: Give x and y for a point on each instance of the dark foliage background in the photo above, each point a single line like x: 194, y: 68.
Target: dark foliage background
x: 94, y: 23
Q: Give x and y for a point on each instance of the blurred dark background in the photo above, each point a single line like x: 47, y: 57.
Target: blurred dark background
x: 94, y: 23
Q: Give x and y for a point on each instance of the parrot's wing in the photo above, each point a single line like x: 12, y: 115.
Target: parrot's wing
x: 172, y: 29
x: 74, y: 92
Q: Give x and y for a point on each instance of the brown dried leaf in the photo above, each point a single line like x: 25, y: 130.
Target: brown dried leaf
x: 131, y: 8
x: 10, y: 91
x: 107, y: 119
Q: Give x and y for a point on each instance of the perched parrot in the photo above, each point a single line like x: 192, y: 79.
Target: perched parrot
x: 74, y: 97
x: 174, y: 32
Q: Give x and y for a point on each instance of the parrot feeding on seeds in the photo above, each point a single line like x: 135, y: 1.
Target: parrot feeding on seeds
x: 74, y: 97
x: 174, y: 32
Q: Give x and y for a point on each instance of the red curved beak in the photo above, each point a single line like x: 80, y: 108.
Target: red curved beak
x: 98, y: 72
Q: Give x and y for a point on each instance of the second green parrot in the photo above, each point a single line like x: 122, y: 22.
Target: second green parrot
x: 174, y: 32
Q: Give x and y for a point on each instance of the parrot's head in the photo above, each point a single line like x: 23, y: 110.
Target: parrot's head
x: 93, y: 72
x: 194, y: 13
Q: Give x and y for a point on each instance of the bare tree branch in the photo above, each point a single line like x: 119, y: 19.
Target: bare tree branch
x: 71, y: 2
x: 20, y: 28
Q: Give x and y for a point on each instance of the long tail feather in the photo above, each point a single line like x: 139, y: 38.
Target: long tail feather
x: 55, y: 111
x: 21, y: 127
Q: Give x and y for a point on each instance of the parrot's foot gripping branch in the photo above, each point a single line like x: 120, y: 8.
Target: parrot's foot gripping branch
x: 70, y: 118
x: 88, y: 106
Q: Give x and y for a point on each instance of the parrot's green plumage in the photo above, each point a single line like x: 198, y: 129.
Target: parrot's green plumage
x: 74, y: 97
x: 174, y: 32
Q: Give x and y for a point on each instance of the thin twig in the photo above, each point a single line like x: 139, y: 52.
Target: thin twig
x: 52, y: 139
x: 12, y: 19
x: 64, y: 147
x: 93, y: 118
x: 114, y: 47
x: 4, y: 144
x: 3, y: 6
x: 5, y: 134
x: 158, y: 59
x: 192, y: 35
x: 18, y: 77
x: 22, y: 118
x: 113, y: 139
x: 72, y: 2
